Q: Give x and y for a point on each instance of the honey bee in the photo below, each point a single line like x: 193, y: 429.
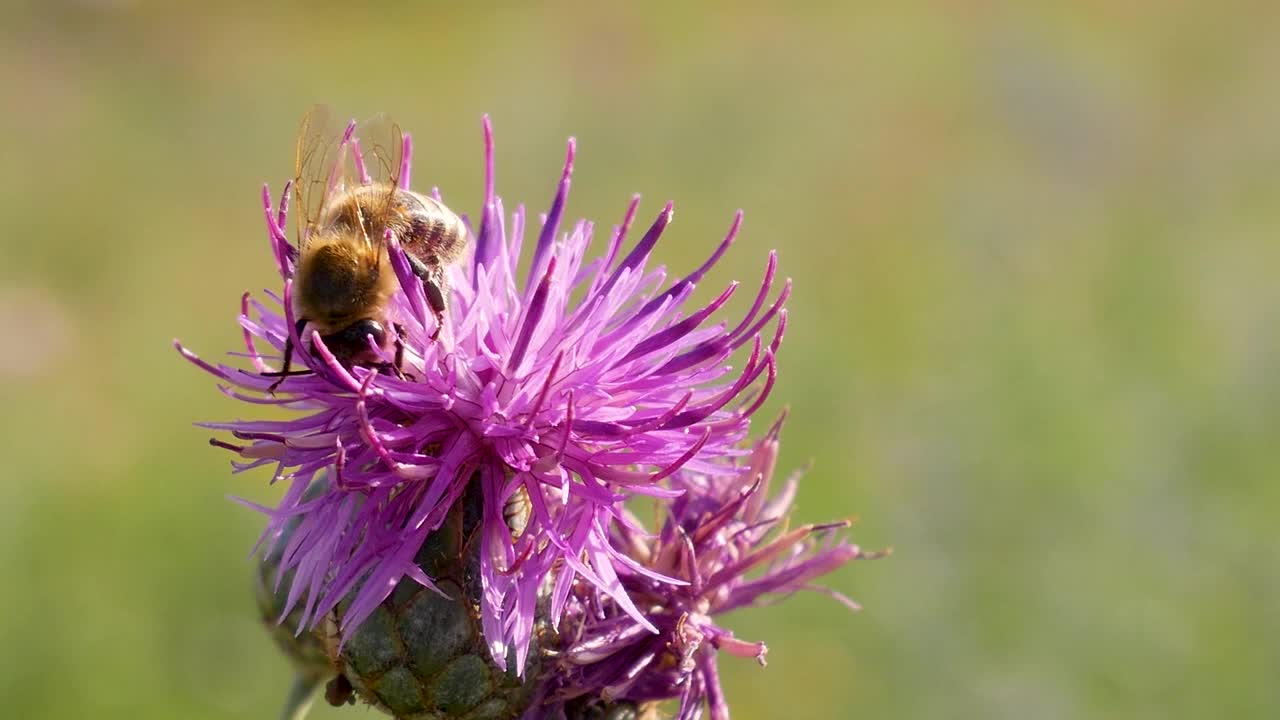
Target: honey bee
x: 346, y: 207
x: 516, y: 511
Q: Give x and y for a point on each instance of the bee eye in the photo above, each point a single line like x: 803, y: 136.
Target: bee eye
x: 364, y: 328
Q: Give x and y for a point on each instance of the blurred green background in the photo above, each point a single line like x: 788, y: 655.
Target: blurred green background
x: 1034, y: 343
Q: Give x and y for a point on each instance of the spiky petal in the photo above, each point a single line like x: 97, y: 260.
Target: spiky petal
x: 728, y: 539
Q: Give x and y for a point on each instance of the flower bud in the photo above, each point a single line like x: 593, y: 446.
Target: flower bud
x: 421, y: 655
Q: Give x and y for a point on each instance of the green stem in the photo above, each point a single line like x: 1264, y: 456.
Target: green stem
x: 301, y: 694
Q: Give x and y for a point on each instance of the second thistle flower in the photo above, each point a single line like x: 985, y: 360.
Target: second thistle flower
x: 728, y: 537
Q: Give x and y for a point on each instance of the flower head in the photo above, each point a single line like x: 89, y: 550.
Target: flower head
x: 730, y: 543
x: 583, y: 381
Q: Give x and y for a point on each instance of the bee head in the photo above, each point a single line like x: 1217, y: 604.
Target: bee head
x: 351, y: 345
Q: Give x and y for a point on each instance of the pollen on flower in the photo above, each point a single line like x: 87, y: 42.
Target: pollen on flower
x: 585, y: 381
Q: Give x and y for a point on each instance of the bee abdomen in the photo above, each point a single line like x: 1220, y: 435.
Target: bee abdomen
x: 429, y: 229
x: 435, y: 233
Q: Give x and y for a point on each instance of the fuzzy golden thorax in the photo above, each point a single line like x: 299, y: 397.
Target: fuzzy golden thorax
x: 342, y: 280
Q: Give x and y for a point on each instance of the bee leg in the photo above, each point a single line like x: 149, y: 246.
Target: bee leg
x: 288, y: 355
x: 435, y: 298
x: 399, y: 361
x: 284, y: 370
x: 433, y: 284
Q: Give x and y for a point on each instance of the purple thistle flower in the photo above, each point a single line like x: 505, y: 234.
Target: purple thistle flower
x: 584, y: 382
x: 729, y: 541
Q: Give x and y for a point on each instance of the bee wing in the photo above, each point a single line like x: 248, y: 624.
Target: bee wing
x: 381, y: 144
x: 333, y: 155
x: 324, y: 165
x: 378, y: 159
